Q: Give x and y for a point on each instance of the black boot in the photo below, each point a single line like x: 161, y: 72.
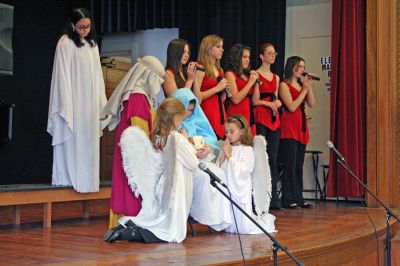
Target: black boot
x: 130, y: 233
x: 110, y: 232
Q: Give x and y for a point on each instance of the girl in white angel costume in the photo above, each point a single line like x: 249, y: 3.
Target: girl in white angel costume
x: 248, y: 177
x: 161, y: 172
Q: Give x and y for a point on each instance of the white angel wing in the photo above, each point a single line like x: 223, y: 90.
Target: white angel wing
x: 142, y: 165
x: 261, y: 176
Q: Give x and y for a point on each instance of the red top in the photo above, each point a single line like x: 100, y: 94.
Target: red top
x: 245, y: 106
x: 294, y: 124
x: 263, y: 115
x: 213, y: 107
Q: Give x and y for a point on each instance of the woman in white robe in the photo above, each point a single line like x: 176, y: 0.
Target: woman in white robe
x: 167, y: 195
x: 237, y: 161
x: 77, y: 97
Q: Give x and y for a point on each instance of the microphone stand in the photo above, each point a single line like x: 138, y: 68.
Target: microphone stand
x: 389, y: 212
x: 276, y: 246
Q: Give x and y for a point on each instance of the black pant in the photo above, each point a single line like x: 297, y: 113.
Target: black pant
x: 272, y: 138
x: 291, y: 155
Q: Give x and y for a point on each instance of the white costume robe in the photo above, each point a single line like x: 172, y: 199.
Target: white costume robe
x: 170, y: 223
x: 77, y: 98
x: 208, y: 201
x: 238, y: 178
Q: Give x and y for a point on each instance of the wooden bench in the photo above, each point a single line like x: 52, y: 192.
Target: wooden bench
x: 16, y: 195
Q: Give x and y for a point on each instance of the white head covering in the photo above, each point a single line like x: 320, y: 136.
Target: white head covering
x: 145, y: 77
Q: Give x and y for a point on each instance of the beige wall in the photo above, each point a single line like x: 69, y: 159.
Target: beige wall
x: 308, y: 34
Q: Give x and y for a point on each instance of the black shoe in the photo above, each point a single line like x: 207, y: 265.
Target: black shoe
x: 306, y: 206
x: 292, y: 206
x: 275, y: 205
x: 131, y: 234
x: 117, y: 235
x: 276, y: 208
x: 110, y: 232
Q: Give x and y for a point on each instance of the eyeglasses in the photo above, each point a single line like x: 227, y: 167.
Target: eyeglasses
x: 271, y: 53
x: 83, y: 27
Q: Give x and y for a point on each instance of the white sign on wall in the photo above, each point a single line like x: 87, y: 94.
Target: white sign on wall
x: 326, y: 68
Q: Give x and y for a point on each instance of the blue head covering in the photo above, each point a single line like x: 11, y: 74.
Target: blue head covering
x: 197, y: 123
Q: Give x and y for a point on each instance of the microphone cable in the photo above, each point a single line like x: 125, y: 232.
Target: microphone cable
x: 237, y: 229
x: 365, y: 210
x: 340, y: 159
x: 369, y: 218
x: 373, y: 225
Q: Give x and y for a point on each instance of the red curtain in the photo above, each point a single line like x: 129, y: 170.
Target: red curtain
x: 348, y: 86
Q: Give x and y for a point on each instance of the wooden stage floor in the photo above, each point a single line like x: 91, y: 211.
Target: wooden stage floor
x: 326, y: 235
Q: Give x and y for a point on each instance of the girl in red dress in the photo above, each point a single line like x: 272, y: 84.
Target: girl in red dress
x: 212, y: 83
x: 241, y: 81
x: 267, y: 120
x: 178, y: 72
x: 294, y: 131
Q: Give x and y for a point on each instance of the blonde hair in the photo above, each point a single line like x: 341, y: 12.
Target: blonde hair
x: 241, y: 122
x: 164, y: 121
x: 204, y: 56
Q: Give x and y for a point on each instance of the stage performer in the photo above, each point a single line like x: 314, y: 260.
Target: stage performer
x: 131, y: 104
x: 295, y: 94
x: 267, y: 119
x: 245, y: 165
x: 179, y: 73
x: 77, y: 97
x: 212, y: 82
x: 163, y: 177
x: 241, y: 81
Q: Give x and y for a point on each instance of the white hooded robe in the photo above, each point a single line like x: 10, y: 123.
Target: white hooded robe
x: 77, y: 97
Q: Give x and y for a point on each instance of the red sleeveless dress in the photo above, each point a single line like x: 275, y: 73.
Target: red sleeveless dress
x: 245, y: 107
x: 262, y: 114
x: 213, y: 107
x: 294, y: 124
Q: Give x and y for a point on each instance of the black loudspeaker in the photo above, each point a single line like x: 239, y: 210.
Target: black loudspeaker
x: 6, y: 119
x: 6, y: 29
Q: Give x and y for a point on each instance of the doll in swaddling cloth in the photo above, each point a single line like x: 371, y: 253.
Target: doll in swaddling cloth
x: 199, y: 143
x: 196, y: 125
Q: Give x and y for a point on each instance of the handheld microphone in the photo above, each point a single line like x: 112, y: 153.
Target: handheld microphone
x: 331, y: 146
x: 204, y: 168
x: 312, y: 76
x: 259, y: 82
x: 227, y: 91
x: 200, y: 68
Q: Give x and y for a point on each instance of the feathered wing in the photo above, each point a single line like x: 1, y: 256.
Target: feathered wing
x: 142, y: 165
x: 261, y: 176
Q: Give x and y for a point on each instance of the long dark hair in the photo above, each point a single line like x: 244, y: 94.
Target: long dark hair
x: 291, y: 63
x: 76, y: 15
x: 175, y: 50
x: 234, y: 62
